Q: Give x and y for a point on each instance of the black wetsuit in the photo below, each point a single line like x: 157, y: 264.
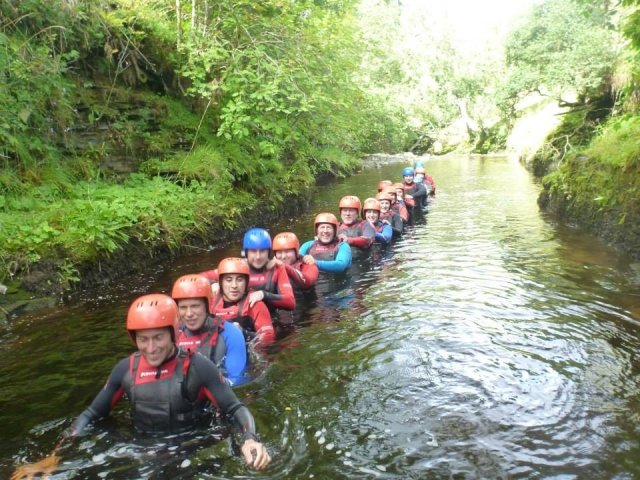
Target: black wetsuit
x: 165, y: 398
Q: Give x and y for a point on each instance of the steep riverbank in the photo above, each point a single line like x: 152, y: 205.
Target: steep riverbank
x: 43, y: 285
x: 596, y: 184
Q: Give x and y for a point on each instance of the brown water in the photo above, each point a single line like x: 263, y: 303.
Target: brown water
x: 490, y: 342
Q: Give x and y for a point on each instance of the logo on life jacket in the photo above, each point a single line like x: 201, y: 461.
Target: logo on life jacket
x: 149, y: 374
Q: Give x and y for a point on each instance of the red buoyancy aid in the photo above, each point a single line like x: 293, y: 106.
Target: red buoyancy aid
x: 263, y: 281
x: 353, y: 230
x: 320, y: 251
x: 236, y: 313
x: 203, y: 342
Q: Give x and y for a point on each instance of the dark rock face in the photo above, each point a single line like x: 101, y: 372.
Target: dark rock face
x: 619, y: 228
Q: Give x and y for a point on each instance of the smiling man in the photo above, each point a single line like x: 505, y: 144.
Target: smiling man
x: 163, y: 382
x: 360, y: 235
x: 222, y: 342
x: 331, y: 255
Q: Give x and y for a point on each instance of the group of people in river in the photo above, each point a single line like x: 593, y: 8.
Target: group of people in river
x: 193, y: 346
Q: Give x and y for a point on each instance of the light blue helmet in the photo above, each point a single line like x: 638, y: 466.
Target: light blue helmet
x: 407, y: 171
x: 256, y: 239
x: 418, y: 164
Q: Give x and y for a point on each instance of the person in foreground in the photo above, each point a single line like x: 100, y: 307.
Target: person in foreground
x: 162, y: 383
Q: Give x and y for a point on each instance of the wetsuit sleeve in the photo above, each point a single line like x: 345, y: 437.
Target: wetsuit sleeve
x: 295, y: 276
x: 207, y: 377
x: 304, y: 249
x: 262, y: 323
x: 403, y: 212
x: 236, y: 357
x: 366, y: 239
x: 212, y: 275
x: 385, y: 235
x: 310, y: 273
x: 396, y: 224
x: 284, y: 298
x: 421, y: 191
x: 106, y: 399
x: 341, y: 262
x: 432, y: 182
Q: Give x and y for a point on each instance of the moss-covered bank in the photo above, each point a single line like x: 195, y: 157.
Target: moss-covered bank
x: 598, y: 187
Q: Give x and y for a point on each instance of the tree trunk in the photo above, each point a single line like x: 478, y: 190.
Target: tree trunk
x: 178, y: 22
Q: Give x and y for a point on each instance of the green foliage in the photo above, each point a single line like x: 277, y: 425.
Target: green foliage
x: 229, y: 105
x: 562, y: 47
x: 605, y: 176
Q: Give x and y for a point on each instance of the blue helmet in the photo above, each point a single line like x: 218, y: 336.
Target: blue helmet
x: 256, y: 239
x: 407, y: 171
x: 418, y: 164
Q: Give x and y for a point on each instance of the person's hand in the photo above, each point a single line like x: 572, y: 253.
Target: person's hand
x: 46, y: 466
x: 255, y: 297
x: 255, y: 454
x: 343, y: 237
x: 386, y: 222
x: 215, y: 288
x: 277, y: 261
x: 308, y: 260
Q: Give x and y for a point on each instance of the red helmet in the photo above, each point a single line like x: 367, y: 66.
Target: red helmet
x: 193, y: 286
x: 398, y: 185
x: 153, y: 311
x: 370, y: 204
x: 350, y: 201
x: 384, y: 183
x: 385, y: 196
x: 286, y: 241
x: 329, y: 218
x: 233, y: 265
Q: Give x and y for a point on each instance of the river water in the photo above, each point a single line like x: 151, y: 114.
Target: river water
x: 490, y: 342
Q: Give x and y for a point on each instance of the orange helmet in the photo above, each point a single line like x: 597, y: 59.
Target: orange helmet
x: 329, y: 218
x: 390, y: 190
x: 193, y: 286
x: 153, y: 311
x: 350, y: 201
x: 398, y: 185
x: 420, y: 170
x: 384, y: 196
x: 233, y: 265
x: 383, y: 183
x: 370, y: 204
x: 286, y: 241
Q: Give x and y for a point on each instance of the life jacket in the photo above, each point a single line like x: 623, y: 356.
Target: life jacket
x: 411, y: 190
x: 378, y: 226
x: 236, y: 313
x: 204, y: 342
x: 354, y: 230
x: 158, y: 395
x: 263, y: 280
x: 320, y: 251
x: 400, y: 210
